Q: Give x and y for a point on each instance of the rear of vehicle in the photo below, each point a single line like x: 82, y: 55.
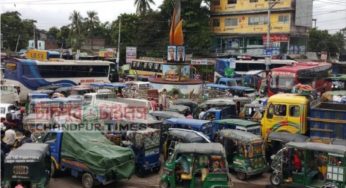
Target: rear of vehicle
x: 29, y: 166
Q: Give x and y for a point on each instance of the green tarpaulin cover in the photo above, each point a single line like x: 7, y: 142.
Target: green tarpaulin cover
x: 100, y: 155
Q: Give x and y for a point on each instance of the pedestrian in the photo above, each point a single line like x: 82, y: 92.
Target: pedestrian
x: 163, y: 100
x: 201, y: 114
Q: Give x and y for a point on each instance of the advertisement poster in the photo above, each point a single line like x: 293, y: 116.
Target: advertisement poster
x: 171, y: 53
x: 176, y: 72
x: 131, y: 54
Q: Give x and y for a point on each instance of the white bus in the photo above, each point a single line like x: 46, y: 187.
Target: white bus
x: 243, y: 66
x: 30, y: 75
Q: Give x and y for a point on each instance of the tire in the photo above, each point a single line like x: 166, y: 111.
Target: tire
x: 157, y: 169
x: 140, y: 172
x: 53, y: 170
x: 87, y: 180
x: 241, y: 176
x: 275, y: 179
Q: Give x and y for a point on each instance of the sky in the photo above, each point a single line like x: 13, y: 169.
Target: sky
x: 330, y: 14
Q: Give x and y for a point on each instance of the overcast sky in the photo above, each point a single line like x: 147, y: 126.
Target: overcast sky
x: 330, y: 14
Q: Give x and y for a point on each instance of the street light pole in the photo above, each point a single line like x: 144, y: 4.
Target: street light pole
x: 271, y: 4
x: 118, y: 53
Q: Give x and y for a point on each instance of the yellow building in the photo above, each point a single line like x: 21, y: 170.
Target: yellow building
x: 240, y: 26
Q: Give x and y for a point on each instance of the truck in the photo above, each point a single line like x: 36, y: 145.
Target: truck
x: 233, y: 85
x: 298, y: 114
x: 89, y: 155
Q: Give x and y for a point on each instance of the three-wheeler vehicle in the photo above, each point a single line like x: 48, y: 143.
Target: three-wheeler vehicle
x: 196, y: 165
x: 182, y: 109
x: 146, y: 146
x: 37, y: 125
x: 186, y: 102
x: 310, y: 164
x: 238, y: 124
x: 252, y: 111
x: 245, y: 152
x: 43, y: 107
x: 163, y: 115
x: 27, y: 166
x: 277, y: 140
x: 176, y: 135
x: 202, y: 126
x: 90, y: 155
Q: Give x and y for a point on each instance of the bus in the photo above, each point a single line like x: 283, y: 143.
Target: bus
x: 30, y: 75
x: 243, y: 66
x: 146, y: 67
x: 283, y: 79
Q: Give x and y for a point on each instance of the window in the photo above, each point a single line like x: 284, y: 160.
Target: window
x: 253, y: 1
x: 232, y: 1
x: 257, y: 20
x: 294, y: 111
x: 216, y: 2
x: 270, y: 111
x: 283, y: 19
x: 216, y: 22
x: 231, y: 22
x: 63, y: 71
x: 280, y: 110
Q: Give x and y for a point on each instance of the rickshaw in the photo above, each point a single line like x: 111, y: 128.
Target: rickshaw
x: 186, y: 102
x: 146, y: 146
x: 196, y: 165
x: 238, y: 124
x: 176, y: 135
x: 277, y: 140
x: 182, y: 109
x: 28, y: 166
x: 310, y: 164
x: 245, y: 152
x: 163, y: 115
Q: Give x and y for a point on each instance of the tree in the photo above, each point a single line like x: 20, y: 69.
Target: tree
x: 76, y: 26
x: 92, y: 21
x: 321, y: 40
x: 14, y: 28
x: 143, y: 6
x: 53, y: 33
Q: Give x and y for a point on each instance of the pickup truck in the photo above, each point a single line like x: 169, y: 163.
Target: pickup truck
x: 89, y: 155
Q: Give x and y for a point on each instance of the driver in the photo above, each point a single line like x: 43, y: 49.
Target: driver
x: 185, y: 163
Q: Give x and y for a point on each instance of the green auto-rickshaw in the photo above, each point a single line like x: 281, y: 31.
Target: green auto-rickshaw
x: 196, y: 165
x: 28, y: 166
x: 245, y: 152
x: 310, y: 164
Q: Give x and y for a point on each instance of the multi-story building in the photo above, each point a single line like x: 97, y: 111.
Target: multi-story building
x: 240, y: 26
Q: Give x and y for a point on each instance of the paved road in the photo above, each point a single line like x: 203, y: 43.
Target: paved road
x: 152, y: 181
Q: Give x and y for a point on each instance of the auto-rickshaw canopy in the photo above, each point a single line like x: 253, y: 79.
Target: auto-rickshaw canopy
x: 238, y: 122
x: 242, y: 136
x: 313, y: 146
x: 29, y: 152
x: 200, y: 148
x: 287, y: 137
x: 188, y: 136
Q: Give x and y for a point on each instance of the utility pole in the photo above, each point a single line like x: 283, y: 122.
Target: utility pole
x: 118, y: 51
x: 17, y: 43
x: 34, y: 37
x: 271, y: 4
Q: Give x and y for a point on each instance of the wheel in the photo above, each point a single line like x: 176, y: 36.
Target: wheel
x: 53, y: 170
x: 140, y: 172
x: 87, y: 180
x: 163, y: 184
x: 275, y: 179
x: 157, y: 169
x: 241, y: 175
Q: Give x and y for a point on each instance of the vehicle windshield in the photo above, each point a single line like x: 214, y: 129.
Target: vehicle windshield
x: 284, y: 81
x: 249, y: 81
x: 106, y: 96
x: 256, y: 149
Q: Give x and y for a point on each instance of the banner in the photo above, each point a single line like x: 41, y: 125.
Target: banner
x: 131, y: 54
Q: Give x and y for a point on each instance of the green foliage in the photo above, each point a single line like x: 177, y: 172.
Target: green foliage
x: 13, y: 26
x: 321, y: 40
x: 143, y: 6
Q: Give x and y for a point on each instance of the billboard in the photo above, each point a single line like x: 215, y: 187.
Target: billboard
x: 303, y: 13
x: 131, y: 54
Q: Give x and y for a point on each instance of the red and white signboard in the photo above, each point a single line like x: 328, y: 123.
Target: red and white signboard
x: 276, y: 38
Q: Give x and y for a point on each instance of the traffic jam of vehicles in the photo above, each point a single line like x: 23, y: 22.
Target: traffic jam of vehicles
x: 233, y: 131
x: 245, y: 123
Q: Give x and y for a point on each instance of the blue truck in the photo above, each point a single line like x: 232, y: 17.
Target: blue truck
x: 89, y: 155
x: 234, y: 85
